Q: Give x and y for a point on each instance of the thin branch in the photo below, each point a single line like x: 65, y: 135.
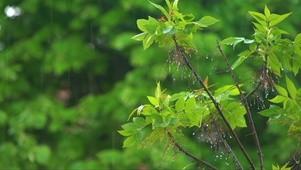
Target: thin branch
x: 238, y: 165
x: 246, y: 106
x: 254, y: 90
x: 187, y: 153
x: 216, y: 104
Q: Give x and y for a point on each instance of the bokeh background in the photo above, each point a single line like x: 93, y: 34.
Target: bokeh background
x: 70, y: 75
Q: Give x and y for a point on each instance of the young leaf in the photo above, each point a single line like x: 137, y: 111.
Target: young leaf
x: 154, y: 101
x: 158, y: 92
x: 291, y: 88
x: 260, y: 18
x: 180, y: 104
x: 175, y: 5
x: 161, y: 9
x: 139, y: 122
x: 139, y: 37
x: 148, y: 41
x: 278, y: 99
x: 190, y: 103
x: 275, y: 19
x: 243, y: 55
x: 281, y: 90
x: 271, y: 112
x: 232, y: 41
x: 298, y: 39
x: 125, y: 132
x: 267, y: 12
x: 128, y: 142
x: 206, y: 21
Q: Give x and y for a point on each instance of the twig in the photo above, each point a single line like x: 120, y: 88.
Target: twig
x: 254, y: 90
x: 216, y: 104
x: 246, y: 106
x: 238, y: 165
x: 187, y: 153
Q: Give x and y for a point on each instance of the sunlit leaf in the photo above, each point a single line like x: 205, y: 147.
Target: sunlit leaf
x: 180, y: 104
x: 243, y: 55
x: 278, y: 99
x: 260, y: 18
x: 291, y: 88
x: 281, y: 90
x: 298, y: 39
x: 267, y: 11
x: 161, y: 9
x: 275, y: 19
x: 190, y: 103
x: 148, y: 41
x: 154, y: 101
x: 158, y: 92
x: 206, y: 21
x: 232, y: 41
x: 140, y: 37
x: 125, y: 132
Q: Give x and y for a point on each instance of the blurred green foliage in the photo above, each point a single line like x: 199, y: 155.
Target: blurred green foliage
x: 70, y: 76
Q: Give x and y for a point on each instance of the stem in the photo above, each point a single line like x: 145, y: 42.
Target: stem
x: 243, y: 99
x: 216, y: 104
x: 187, y: 153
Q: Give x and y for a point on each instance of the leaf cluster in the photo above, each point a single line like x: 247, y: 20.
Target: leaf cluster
x: 171, y: 24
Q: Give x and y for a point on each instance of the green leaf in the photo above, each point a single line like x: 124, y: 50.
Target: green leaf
x: 206, y: 21
x: 232, y: 41
x: 154, y: 101
x: 161, y: 9
x: 275, y: 19
x: 42, y: 154
x: 278, y: 99
x: 190, y: 103
x: 139, y: 122
x: 125, y: 132
x: 243, y: 55
x: 175, y: 5
x: 180, y: 104
x: 281, y: 90
x: 291, y: 88
x: 158, y: 92
x: 129, y: 126
x: 148, y: 41
x: 260, y: 18
x: 272, y: 112
x: 140, y: 37
x: 129, y: 141
x: 267, y: 11
x: 141, y: 24
x: 298, y: 39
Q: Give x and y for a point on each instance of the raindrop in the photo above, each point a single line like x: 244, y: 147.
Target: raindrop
x: 193, y: 133
x: 206, y: 57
